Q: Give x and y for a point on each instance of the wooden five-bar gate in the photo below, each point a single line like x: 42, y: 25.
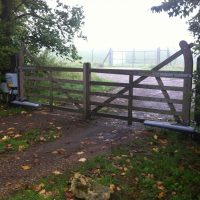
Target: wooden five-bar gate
x: 53, y: 89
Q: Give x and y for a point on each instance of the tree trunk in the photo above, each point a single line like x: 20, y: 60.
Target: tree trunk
x: 5, y: 17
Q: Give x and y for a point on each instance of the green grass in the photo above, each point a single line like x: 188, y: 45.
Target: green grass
x: 11, y: 142
x: 161, y: 166
x: 6, y: 110
x: 71, y: 86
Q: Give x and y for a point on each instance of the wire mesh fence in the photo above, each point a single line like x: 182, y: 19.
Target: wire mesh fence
x: 137, y: 59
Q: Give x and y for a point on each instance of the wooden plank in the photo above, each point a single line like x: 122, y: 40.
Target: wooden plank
x: 115, y: 84
x: 167, y: 97
x: 157, y: 87
x: 109, y: 105
x: 107, y: 115
x: 57, y: 89
x: 86, y: 89
x: 35, y: 78
x: 63, y: 99
x: 51, y: 91
x: 187, y: 92
x: 156, y: 99
x: 140, y: 98
x: 55, y: 80
x: 42, y: 96
x: 130, y: 100
x: 65, y: 109
x: 107, y: 94
x: 53, y: 69
x: 152, y: 110
x: 61, y: 80
x: 167, y: 74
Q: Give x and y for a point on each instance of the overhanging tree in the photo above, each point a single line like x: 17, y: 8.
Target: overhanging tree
x: 38, y: 25
x: 191, y: 10
x: 183, y: 9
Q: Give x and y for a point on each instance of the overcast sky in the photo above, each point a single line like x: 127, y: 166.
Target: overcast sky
x: 126, y: 24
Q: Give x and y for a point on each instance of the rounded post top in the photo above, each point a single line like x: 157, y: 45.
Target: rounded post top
x: 183, y: 44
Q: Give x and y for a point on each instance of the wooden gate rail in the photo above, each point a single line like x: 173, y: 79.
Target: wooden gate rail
x: 126, y: 89
x: 186, y: 75
x: 55, y: 85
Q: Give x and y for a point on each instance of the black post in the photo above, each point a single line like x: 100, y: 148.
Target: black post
x: 197, y: 94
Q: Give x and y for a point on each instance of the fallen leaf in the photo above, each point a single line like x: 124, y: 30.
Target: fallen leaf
x: 83, y: 181
x: 42, y: 139
x: 155, y: 149
x: 155, y: 137
x: 10, y: 132
x: 163, y: 141
x: 80, y: 153
x: 26, y: 167
x: 69, y: 194
x: 123, y: 174
x: 17, y: 136
x: 42, y: 192
x: 21, y: 148
x: 54, y: 152
x: 38, y: 187
x: 112, y: 188
x: 56, y: 172
x: 11, y: 129
x: 4, y: 138
x: 9, y: 146
x: 82, y: 159
x: 161, y: 195
x: 58, y: 128
x: 161, y: 187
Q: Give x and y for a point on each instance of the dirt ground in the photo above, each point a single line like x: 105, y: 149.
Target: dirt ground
x: 96, y: 136
x: 93, y: 137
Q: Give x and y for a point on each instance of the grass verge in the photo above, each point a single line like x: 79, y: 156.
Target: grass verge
x: 6, y: 110
x: 12, y: 140
x: 159, y: 166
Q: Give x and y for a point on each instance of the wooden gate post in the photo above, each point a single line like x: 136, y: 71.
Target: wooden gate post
x: 187, y: 91
x: 130, y: 100
x: 86, y: 89
x: 197, y: 95
x: 21, y: 73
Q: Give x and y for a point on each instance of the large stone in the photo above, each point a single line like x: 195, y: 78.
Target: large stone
x: 86, y: 188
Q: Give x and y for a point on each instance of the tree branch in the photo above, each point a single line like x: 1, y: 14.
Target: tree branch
x: 29, y: 14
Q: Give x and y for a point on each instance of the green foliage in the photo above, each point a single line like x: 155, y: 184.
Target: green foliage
x: 183, y: 9
x: 38, y: 25
x: 6, y: 111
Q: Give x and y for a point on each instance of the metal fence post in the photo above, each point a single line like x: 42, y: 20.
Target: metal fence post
x: 86, y: 89
x: 111, y: 57
x: 158, y: 56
